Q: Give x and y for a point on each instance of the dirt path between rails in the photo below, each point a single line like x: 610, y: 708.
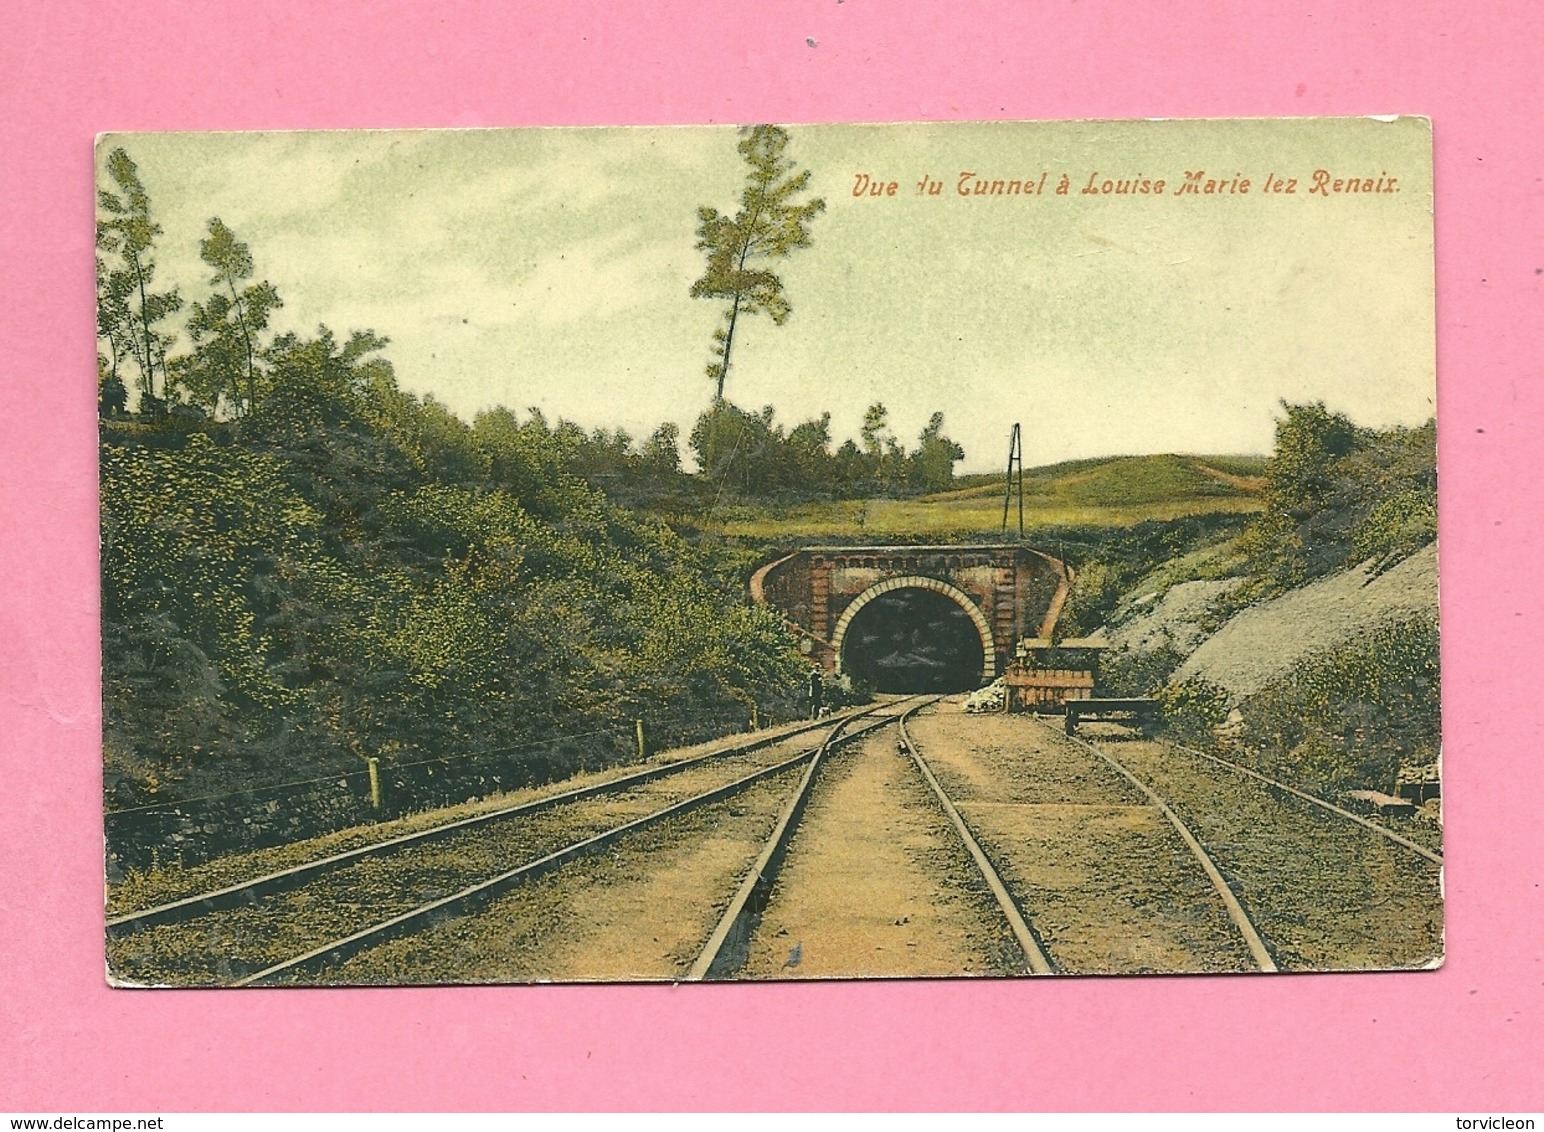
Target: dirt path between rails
x: 1325, y: 893
x: 236, y: 942
x: 639, y: 912
x: 1100, y: 875
x: 876, y: 883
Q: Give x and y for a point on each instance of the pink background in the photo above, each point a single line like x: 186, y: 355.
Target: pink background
x: 1466, y: 1038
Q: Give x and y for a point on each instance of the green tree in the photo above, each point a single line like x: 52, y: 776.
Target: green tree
x: 741, y: 450
x: 129, y: 309
x: 932, y: 465
x: 770, y: 224
x: 850, y: 469
x: 875, y: 430
x: 883, y: 453
x: 809, y: 445
x: 1310, y: 443
x: 523, y: 457
x: 661, y: 452
x: 1336, y: 494
x: 225, y: 328
x: 315, y: 381
x: 113, y: 320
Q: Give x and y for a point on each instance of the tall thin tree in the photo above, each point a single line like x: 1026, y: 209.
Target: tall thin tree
x: 127, y: 298
x: 226, y: 326
x: 770, y: 224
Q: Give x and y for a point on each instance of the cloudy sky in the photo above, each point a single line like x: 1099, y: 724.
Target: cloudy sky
x: 550, y: 268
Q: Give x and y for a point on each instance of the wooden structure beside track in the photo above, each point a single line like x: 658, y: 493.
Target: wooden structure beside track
x: 1045, y: 689
x: 1047, y: 673
x: 1145, y: 711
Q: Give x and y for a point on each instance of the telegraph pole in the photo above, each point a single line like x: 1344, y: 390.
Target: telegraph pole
x: 1015, y: 460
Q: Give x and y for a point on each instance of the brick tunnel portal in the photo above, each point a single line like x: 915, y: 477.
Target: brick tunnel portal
x: 914, y: 618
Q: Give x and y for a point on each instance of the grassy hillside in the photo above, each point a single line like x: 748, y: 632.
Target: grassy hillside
x: 1116, y: 491
x: 1326, y: 638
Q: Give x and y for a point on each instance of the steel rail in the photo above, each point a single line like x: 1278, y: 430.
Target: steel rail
x: 1257, y: 949
x: 1034, y: 955
x: 248, y: 891
x: 459, y: 902
x: 727, y: 946
x: 1421, y: 850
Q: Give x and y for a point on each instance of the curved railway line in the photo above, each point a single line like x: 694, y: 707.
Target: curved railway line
x: 1246, y: 928
x: 727, y: 948
x: 1329, y: 889
x: 1024, y: 936
x: 1004, y: 834
x: 246, y: 892
x: 471, y: 897
x: 1013, y: 895
x: 228, y: 934
x: 1381, y: 830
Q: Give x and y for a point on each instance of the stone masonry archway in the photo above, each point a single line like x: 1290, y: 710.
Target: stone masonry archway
x: 1017, y: 591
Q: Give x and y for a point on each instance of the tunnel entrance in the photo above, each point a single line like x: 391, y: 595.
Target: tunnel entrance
x: 913, y: 640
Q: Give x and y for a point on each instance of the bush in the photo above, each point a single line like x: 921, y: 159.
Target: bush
x: 1398, y: 526
x: 1133, y: 672
x: 1335, y: 495
x: 1191, y: 710
x: 283, y: 612
x: 846, y: 691
x: 1096, y: 591
x: 1347, y: 718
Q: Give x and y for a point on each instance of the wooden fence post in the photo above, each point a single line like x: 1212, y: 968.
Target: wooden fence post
x: 375, y: 782
x: 643, y: 752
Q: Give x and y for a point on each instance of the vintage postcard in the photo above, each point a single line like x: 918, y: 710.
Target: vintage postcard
x: 786, y: 552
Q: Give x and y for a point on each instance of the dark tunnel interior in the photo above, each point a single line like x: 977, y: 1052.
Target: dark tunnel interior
x: 913, y: 640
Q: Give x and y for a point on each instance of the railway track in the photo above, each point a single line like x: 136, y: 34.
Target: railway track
x: 1008, y: 835
x: 249, y: 890
x: 1098, y: 877
x: 727, y: 950
x: 1314, y: 800
x: 1327, y: 888
x: 354, y: 899
x: 469, y: 899
x: 1240, y: 919
x: 1034, y: 955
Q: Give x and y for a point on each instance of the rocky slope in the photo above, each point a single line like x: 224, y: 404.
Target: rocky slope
x: 1262, y: 642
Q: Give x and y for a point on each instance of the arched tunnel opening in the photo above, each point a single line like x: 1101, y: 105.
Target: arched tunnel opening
x: 913, y: 640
